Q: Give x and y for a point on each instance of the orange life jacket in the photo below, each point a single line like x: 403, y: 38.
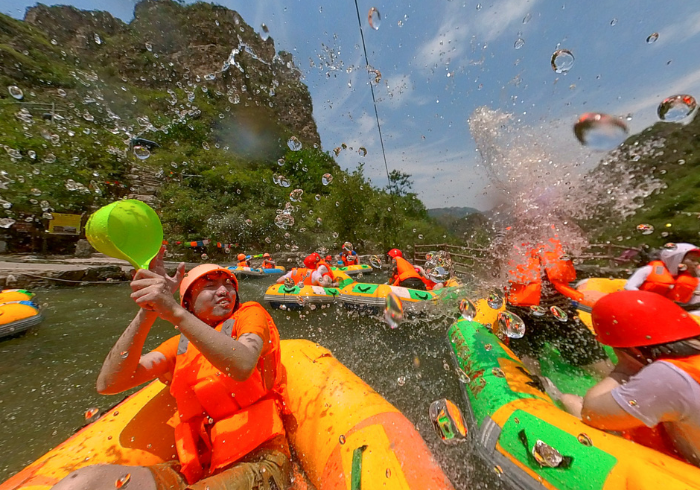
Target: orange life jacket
x: 690, y: 365
x: 243, y: 263
x: 404, y: 270
x: 220, y: 419
x: 302, y: 274
x: 683, y: 288
x: 659, y: 280
x: 328, y: 268
x: 525, y: 285
x: 267, y: 264
x: 348, y: 259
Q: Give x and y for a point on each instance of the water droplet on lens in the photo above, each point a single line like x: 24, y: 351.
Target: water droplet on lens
x: 284, y: 220
x: 374, y: 18
x: 537, y: 310
x: 294, y: 144
x: 600, y: 131
x: 295, y: 195
x: 613, y: 22
x: 401, y: 380
x: 584, y: 439
x: 15, y: 92
x: 327, y: 179
x: 341, y: 439
x: 527, y: 18
x: 559, y: 314
x: 205, y: 256
x: 645, y: 229
x: 141, y: 152
x: 510, y: 325
x: 123, y: 481
x: 467, y: 309
x: 362, y: 151
x: 124, y: 354
x: 318, y: 197
x: 284, y: 181
x: 91, y: 413
x: 562, y: 60
x: 652, y: 38
x: 519, y: 43
x: 498, y: 372
x: 676, y: 108
x: 393, y: 311
x: 478, y: 6
x: 670, y: 246
x: 498, y: 470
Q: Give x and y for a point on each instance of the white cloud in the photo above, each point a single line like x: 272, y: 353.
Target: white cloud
x: 461, y: 24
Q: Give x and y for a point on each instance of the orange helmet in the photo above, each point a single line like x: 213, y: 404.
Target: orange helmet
x: 201, y: 271
x: 641, y: 318
x: 241, y: 256
x: 394, y: 252
x: 266, y: 255
x: 311, y: 260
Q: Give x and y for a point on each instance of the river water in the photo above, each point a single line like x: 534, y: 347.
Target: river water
x: 47, y: 377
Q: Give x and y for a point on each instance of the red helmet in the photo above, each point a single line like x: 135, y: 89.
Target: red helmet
x: 266, y: 255
x: 241, y: 256
x: 311, y: 260
x: 394, y: 252
x: 329, y: 258
x: 641, y: 318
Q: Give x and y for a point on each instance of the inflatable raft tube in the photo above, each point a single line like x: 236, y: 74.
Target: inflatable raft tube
x: 373, y: 296
x: 352, y: 270
x: 256, y: 271
x: 340, y: 429
x: 17, y: 316
x: 530, y: 443
x: 295, y: 297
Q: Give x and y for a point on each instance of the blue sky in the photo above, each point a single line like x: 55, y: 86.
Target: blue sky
x: 440, y: 60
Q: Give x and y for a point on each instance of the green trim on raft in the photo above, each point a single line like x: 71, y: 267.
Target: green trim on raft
x: 477, y: 351
x: 589, y: 468
x: 362, y: 267
x: 364, y: 288
x: 296, y: 290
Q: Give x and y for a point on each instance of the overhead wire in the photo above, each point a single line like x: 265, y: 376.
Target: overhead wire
x: 374, y: 101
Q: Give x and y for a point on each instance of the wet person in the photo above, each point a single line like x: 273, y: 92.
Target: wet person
x: 539, y: 292
x: 403, y: 273
x: 348, y: 256
x: 243, y: 260
x: 226, y: 376
x: 267, y: 262
x: 656, y: 383
x: 301, y: 276
x: 674, y: 275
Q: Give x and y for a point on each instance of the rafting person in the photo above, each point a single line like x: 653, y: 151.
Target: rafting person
x: 348, y: 256
x: 301, y: 276
x: 225, y: 373
x: 403, y: 273
x: 674, y: 275
x: 539, y: 293
x: 267, y: 262
x: 656, y: 383
x: 243, y: 260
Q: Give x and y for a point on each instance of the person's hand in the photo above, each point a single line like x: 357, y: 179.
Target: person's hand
x: 158, y: 266
x: 151, y: 291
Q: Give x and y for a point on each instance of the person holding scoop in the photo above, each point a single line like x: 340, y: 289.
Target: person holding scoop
x: 225, y: 373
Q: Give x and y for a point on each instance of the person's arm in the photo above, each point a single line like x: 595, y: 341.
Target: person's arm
x: 638, y: 278
x: 236, y: 358
x: 281, y: 280
x: 125, y: 367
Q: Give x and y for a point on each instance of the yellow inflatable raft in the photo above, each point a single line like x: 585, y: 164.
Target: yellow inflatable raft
x: 373, y: 296
x: 341, y: 430
x: 296, y: 297
x: 528, y: 441
x: 17, y: 312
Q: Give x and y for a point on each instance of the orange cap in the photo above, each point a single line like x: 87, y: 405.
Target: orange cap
x: 199, y: 272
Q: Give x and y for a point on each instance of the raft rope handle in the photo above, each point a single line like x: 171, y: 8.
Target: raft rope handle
x: 356, y: 472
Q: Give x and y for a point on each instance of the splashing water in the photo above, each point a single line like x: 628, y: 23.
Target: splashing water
x: 374, y: 18
x: 676, y: 108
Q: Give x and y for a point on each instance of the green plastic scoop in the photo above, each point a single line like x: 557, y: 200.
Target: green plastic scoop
x: 129, y: 230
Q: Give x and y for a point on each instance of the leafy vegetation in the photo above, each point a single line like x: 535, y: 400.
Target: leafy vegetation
x: 216, y: 106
